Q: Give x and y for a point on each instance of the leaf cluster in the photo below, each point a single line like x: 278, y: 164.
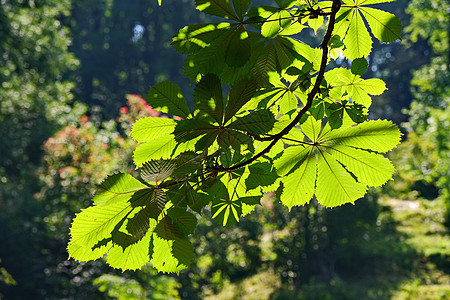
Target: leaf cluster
x: 268, y: 116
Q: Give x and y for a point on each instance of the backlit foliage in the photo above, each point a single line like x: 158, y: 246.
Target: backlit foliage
x: 268, y: 115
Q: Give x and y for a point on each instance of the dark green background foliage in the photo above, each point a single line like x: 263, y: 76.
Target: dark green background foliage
x: 65, y: 68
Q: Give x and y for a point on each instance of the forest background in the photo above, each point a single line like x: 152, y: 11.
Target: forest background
x: 73, y: 79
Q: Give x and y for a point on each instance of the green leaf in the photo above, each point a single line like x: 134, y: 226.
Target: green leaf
x: 150, y: 128
x: 172, y: 251
x: 208, y: 97
x: 231, y: 138
x: 239, y: 95
x: 157, y: 170
x: 356, y: 112
x: 132, y: 257
x: 289, y: 50
x: 353, y: 86
x: 359, y: 66
x: 369, y: 168
x: 220, y: 8
x: 299, y: 185
x: 195, y: 37
x: 166, y: 97
x: 224, y: 209
x: 183, y: 220
x: 266, y: 63
x: 350, y: 25
x: 335, y: 186
x: 261, y: 174
x: 373, y: 86
x: 238, y: 49
x: 160, y: 148
x: 379, y: 135
x: 152, y: 199
x: 206, y: 141
x: 275, y: 24
x: 290, y: 158
x: 317, y: 109
x: 385, y: 26
x: 316, y: 166
x: 315, y: 23
x: 357, y: 40
x: 287, y: 102
x: 187, y: 163
x: 117, y: 188
x: 141, y: 223
x: 241, y: 7
x: 187, y: 130
x: 93, y: 225
x: 311, y: 128
x: 256, y: 122
x: 335, y: 114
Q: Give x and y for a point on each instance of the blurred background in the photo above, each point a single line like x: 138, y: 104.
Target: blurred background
x: 71, y: 76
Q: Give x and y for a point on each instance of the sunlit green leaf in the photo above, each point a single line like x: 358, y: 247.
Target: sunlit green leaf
x: 117, y: 188
x: 379, y: 135
x: 150, y: 128
x: 335, y: 186
x: 160, y: 148
x: 132, y: 257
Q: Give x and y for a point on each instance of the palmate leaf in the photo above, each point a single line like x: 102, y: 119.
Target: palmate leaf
x: 383, y: 25
x: 335, y: 165
x: 231, y: 199
x: 345, y: 82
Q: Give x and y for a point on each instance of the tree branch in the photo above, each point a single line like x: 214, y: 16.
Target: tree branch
x: 275, y: 138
